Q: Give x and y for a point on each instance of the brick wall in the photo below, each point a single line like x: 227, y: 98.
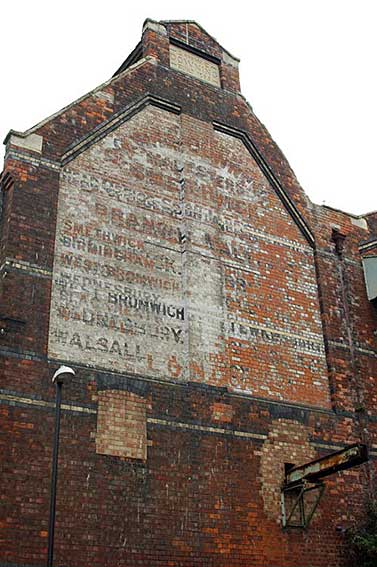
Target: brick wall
x: 155, y: 239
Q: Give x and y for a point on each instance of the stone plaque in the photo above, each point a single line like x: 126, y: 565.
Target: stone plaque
x: 194, y: 65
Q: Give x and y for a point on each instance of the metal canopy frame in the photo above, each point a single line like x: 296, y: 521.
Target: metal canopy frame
x: 303, y: 479
x: 306, y: 513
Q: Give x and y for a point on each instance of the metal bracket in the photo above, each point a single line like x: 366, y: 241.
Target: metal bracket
x: 304, y: 480
x: 296, y: 511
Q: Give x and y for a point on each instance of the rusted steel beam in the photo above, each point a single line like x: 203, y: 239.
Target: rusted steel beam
x: 324, y: 466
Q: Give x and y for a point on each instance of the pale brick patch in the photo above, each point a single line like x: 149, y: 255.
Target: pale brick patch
x: 288, y: 442
x: 121, y: 425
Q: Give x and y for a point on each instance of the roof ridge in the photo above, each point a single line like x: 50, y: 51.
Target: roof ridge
x: 164, y: 22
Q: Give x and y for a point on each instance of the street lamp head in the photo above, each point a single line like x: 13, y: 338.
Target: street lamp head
x: 62, y: 374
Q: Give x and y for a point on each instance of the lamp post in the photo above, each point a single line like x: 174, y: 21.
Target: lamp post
x: 60, y: 376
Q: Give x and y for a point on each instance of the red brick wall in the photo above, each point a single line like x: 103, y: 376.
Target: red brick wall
x: 263, y: 350
x: 166, y: 214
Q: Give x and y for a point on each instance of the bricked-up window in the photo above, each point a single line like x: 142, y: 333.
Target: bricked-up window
x: 121, y: 425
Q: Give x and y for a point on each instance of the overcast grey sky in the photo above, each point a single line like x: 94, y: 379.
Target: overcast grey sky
x: 308, y: 68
